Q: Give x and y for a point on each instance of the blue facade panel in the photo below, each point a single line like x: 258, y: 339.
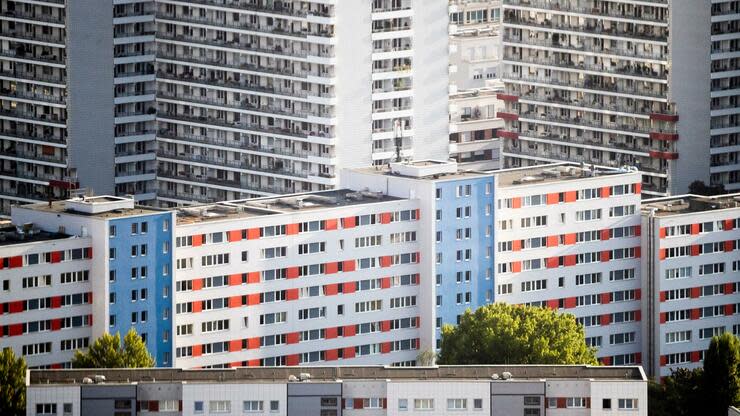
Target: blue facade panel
x: 465, y: 246
x: 140, y: 281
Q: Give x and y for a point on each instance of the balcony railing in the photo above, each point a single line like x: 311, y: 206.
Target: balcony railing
x: 593, y: 29
x: 238, y: 164
x: 245, y: 26
x: 276, y: 8
x: 590, y: 85
x: 586, y: 47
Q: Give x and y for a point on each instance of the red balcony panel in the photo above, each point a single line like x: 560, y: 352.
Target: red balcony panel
x: 570, y: 239
x: 349, y: 266
x: 197, y: 240
x: 235, y: 345
x: 507, y: 97
x: 663, y: 253
x: 516, y: 245
x: 235, y: 364
x: 349, y: 352
x: 292, y: 272
x: 197, y: 306
x: 331, y: 224
x: 638, y: 357
x: 695, y: 314
x: 561, y: 402
x: 662, y: 317
x: 662, y: 232
x: 385, y: 261
x: 292, y: 338
x: 253, y: 363
x: 606, y: 360
x: 385, y: 348
x: 570, y: 260
x: 638, y: 188
x: 291, y: 294
x: 331, y: 290
x: 552, y: 241
x: 235, y: 302
x: 729, y: 245
x: 350, y: 330
x: 235, y: 235
x: 695, y: 229
x: 507, y: 116
x: 638, y: 230
x: 291, y: 229
x: 571, y: 196
x: 638, y: 316
x: 331, y: 332
x: 349, y: 287
x: 606, y: 319
x: 605, y: 234
x: 253, y: 277
x: 729, y: 225
x: 516, y: 266
x: 253, y: 299
x: 503, y: 134
x: 664, y: 155
x: 606, y: 255
x: 349, y: 222
x: 15, y: 329
x: 358, y: 404
x: 570, y: 303
x: 552, y: 262
x: 728, y: 310
x: 197, y: 350
x: 638, y: 294
x: 56, y: 256
x: 56, y: 324
x: 662, y: 295
x: 552, y: 304
x: 385, y: 283
x: 728, y: 289
x: 331, y: 355
x: 516, y: 202
x: 253, y: 234
x: 331, y: 268
x: 56, y: 302
x: 695, y: 250
x: 385, y: 218
x: 16, y: 261
x: 606, y: 191
x: 638, y: 252
x: 664, y: 136
x: 235, y: 279
x: 553, y: 198
x: 605, y: 298
x: 663, y: 117
x: 663, y: 360
x: 418, y: 214
x: 385, y: 326
x: 695, y: 357
x: 293, y: 359
x: 253, y: 343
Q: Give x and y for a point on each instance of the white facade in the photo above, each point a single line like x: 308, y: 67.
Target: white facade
x: 354, y: 390
x: 590, y: 82
x: 335, y: 283
x: 692, y: 289
x: 268, y: 99
x: 473, y: 125
x: 572, y: 243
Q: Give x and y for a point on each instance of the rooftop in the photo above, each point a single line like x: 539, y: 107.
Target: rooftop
x: 556, y: 172
x: 333, y: 374
x: 26, y: 233
x: 436, y: 170
x: 247, y: 208
x: 685, y: 204
x: 98, y: 206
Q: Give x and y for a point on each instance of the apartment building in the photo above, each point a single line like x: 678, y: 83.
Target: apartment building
x: 267, y: 282
x: 258, y: 98
x: 475, y: 57
x: 692, y: 277
x: 561, y: 236
x: 104, y: 248
x: 617, y: 82
x: 64, y: 67
x: 329, y: 276
x: 331, y: 391
x: 570, y: 240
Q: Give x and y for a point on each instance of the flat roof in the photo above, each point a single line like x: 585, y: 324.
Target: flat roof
x: 59, y: 207
x: 555, y: 172
x: 685, y: 204
x: 334, y: 374
x: 12, y: 235
x: 255, y: 207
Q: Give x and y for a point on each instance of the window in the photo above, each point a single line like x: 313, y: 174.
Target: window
x: 627, y: 404
x: 531, y: 401
x: 403, y: 404
x: 46, y: 409
x: 275, y: 405
x: 423, y: 404
x: 198, y: 407
x: 606, y: 403
x: 457, y: 404
x: 219, y: 406
x: 252, y: 406
x: 575, y: 402
x: 372, y: 403
x: 478, y: 403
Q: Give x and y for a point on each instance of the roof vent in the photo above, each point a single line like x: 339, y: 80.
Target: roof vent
x: 304, y: 376
x: 506, y: 375
x: 495, y: 376
x: 292, y: 378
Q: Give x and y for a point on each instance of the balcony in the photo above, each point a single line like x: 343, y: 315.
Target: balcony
x: 55, y: 119
x: 242, y: 26
x: 627, y: 69
x: 593, y: 87
x: 586, y: 104
x: 229, y: 83
x: 238, y: 46
x: 56, y: 40
x: 31, y: 96
x: 14, y: 134
x: 565, y: 6
x: 44, y: 58
x: 578, y: 122
x: 597, y: 29
x: 632, y: 53
x: 272, y: 8
x: 38, y: 77
x: 610, y: 145
x: 32, y: 157
x: 36, y: 18
x: 234, y: 164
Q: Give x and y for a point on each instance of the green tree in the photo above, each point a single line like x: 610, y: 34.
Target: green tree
x: 107, y: 352
x: 722, y: 374
x: 680, y: 394
x: 500, y: 333
x: 700, y: 188
x: 12, y: 384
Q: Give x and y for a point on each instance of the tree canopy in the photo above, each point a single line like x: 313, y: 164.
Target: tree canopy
x: 500, y: 333
x: 700, y: 188
x: 108, y: 352
x: 709, y: 390
x: 12, y: 384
